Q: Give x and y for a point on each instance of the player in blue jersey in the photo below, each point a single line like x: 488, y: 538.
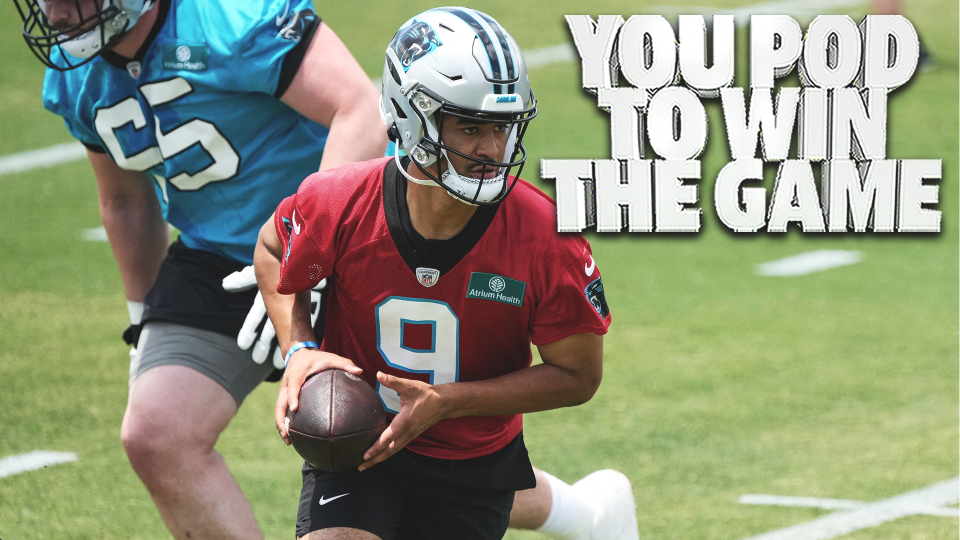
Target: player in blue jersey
x: 203, y: 114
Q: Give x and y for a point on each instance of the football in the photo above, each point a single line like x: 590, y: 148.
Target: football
x: 339, y: 417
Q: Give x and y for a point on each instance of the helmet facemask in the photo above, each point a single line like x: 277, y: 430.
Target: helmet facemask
x: 97, y: 30
x: 432, y: 151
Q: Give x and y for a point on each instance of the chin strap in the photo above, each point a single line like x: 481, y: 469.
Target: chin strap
x: 469, y: 181
x: 501, y: 177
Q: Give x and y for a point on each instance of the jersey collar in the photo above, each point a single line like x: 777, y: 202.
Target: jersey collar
x: 462, y: 243
x: 121, y: 62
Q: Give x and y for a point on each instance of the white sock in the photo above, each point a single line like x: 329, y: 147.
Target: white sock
x: 563, y: 510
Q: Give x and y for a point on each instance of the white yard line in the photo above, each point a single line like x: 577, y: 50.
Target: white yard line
x: 832, y: 504
x: 32, y: 461
x: 96, y: 234
x: 44, y: 157
x: 808, y: 502
x: 810, y: 262
x: 538, y: 58
x: 930, y: 500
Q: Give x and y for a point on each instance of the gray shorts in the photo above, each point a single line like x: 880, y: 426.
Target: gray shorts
x: 210, y: 353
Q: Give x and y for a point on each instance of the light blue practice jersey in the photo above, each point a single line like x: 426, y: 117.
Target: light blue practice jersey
x: 198, y: 110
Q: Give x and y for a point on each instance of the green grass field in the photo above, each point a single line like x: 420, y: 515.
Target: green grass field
x: 841, y: 384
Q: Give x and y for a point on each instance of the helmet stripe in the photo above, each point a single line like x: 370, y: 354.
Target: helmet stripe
x: 487, y: 43
x: 508, y: 56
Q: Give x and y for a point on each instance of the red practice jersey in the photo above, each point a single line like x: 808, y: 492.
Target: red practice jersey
x: 516, y: 282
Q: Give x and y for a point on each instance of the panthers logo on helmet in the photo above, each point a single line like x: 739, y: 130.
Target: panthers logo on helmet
x: 414, y: 42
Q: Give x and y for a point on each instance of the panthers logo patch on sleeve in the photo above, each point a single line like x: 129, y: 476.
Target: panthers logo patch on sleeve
x: 413, y: 42
x: 595, y: 296
x: 289, y: 228
x: 293, y: 28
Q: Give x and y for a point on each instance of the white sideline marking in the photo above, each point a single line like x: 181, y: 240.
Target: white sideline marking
x: 44, y: 157
x: 942, y: 512
x: 830, y: 504
x: 32, y: 461
x: 930, y: 501
x: 96, y: 234
x: 810, y: 262
x: 809, y: 502
x: 536, y: 58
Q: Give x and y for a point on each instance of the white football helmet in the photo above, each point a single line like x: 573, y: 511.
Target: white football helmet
x: 98, y: 29
x: 456, y: 61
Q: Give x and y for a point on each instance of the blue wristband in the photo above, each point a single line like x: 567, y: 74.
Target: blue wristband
x: 296, y: 347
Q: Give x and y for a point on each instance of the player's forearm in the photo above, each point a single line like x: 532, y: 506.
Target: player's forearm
x: 138, y: 237
x: 538, y: 388
x: 290, y: 314
x: 332, y: 89
x: 134, y: 223
x: 570, y: 375
x: 356, y: 134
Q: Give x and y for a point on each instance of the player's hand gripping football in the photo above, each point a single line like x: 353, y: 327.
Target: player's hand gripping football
x: 421, y: 406
x: 302, y: 364
x: 257, y: 330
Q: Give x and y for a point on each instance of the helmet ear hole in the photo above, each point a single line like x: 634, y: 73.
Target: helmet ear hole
x: 397, y: 109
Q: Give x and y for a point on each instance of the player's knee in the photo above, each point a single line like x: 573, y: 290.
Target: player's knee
x: 142, y: 445
x: 149, y: 443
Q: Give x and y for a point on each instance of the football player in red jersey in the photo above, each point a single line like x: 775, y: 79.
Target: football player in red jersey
x: 444, y: 268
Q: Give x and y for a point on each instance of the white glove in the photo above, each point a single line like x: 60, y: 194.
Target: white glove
x: 245, y: 280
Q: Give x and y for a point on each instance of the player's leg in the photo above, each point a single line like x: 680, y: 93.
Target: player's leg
x: 186, y: 385
x: 599, y: 506
x: 439, y: 511
x: 531, y: 507
x: 349, y: 505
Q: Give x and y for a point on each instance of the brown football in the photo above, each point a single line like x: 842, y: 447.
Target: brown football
x: 339, y: 417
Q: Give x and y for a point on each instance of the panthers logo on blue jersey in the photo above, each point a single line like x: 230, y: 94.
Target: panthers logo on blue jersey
x: 296, y: 26
x: 414, y: 42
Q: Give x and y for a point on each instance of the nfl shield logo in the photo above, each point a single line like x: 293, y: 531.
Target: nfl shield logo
x: 134, y: 68
x: 428, y: 276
